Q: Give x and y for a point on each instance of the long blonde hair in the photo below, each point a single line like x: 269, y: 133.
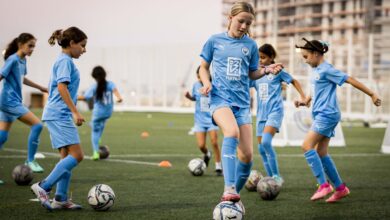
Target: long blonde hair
x: 239, y: 7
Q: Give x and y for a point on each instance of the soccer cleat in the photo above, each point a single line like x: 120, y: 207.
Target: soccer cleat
x: 339, y: 194
x: 1, y: 182
x: 323, y: 190
x: 206, y: 158
x: 35, y: 167
x: 219, y: 172
x: 230, y: 194
x: 279, y: 180
x: 95, y: 155
x: 66, y: 205
x: 42, y: 195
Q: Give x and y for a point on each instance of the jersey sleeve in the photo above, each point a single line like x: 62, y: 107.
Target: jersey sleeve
x: 111, y: 86
x: 7, y: 67
x: 89, y: 94
x: 254, y: 62
x: 336, y: 76
x: 252, y: 84
x: 286, y: 77
x: 63, y: 71
x: 208, y: 50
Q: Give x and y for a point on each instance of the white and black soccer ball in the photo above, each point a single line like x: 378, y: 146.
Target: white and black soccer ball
x: 197, y: 166
x: 101, y: 197
x: 22, y: 175
x: 253, y: 179
x: 228, y: 210
x: 268, y: 188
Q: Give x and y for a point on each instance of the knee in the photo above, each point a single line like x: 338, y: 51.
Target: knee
x: 79, y: 157
x: 245, y: 156
x: 232, y: 132
x: 37, y: 127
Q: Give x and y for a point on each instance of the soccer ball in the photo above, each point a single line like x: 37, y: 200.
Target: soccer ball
x: 268, y: 188
x: 253, y: 179
x: 228, y: 210
x: 101, y: 197
x: 22, y: 174
x: 197, y: 166
x: 104, y: 152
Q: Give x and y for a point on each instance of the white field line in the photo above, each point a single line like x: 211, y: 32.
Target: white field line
x: 86, y: 157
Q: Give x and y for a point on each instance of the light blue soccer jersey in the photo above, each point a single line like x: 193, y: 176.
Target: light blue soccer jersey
x: 64, y: 71
x: 325, y: 79
x: 13, y: 73
x: 269, y: 94
x: 232, y: 59
x: 202, y: 116
x: 104, y: 107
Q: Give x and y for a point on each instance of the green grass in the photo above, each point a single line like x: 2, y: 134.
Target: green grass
x: 151, y: 192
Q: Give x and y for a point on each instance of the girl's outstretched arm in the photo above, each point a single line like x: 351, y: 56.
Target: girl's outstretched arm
x: 117, y: 95
x: 299, y: 89
x: 263, y: 70
x: 189, y: 96
x: 374, y: 97
x: 34, y: 85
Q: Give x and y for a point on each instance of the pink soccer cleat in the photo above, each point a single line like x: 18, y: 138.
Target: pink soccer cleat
x: 230, y: 194
x: 341, y: 192
x: 323, y: 190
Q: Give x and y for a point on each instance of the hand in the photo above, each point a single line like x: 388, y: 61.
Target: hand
x: 302, y: 102
x: 44, y: 89
x: 119, y: 100
x: 187, y: 95
x: 78, y: 118
x: 376, y: 100
x: 205, y: 90
x: 275, y: 68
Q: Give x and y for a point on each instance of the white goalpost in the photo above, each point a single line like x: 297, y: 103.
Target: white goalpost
x: 386, y: 141
x: 296, y: 123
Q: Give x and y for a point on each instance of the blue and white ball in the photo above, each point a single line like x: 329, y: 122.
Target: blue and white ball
x: 101, y: 197
x: 197, y: 167
x: 228, y: 210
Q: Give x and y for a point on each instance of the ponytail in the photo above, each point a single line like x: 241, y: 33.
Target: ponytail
x: 65, y: 37
x: 315, y: 45
x: 99, y: 74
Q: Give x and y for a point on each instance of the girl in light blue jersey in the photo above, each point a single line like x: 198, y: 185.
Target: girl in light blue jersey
x: 13, y: 75
x: 203, y: 125
x: 60, y: 115
x: 102, y: 94
x: 326, y: 115
x: 270, y: 109
x: 234, y: 58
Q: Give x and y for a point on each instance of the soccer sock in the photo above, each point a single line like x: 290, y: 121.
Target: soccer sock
x: 266, y: 141
x: 63, y: 187
x: 314, y: 162
x: 229, y: 149
x: 95, y: 139
x: 265, y: 160
x: 3, y: 137
x: 65, y: 165
x: 331, y: 170
x: 33, y: 141
x: 218, y: 166
x: 242, y: 172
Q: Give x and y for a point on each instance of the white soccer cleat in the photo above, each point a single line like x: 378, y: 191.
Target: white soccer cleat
x: 67, y: 205
x: 42, y: 195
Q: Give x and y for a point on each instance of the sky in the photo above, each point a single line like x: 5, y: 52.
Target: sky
x: 114, y: 22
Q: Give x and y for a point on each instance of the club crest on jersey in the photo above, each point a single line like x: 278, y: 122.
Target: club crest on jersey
x: 233, y: 70
x: 245, y: 51
x: 270, y: 76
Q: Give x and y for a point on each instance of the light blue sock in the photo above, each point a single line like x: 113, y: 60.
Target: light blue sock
x: 3, y: 137
x: 265, y: 160
x: 33, y: 141
x: 229, y: 149
x: 65, y: 165
x: 63, y: 187
x: 331, y: 170
x: 266, y: 141
x: 314, y: 162
x: 242, y: 172
x: 95, y: 139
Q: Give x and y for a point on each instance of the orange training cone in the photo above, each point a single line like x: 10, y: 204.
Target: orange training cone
x: 144, y: 134
x: 165, y: 163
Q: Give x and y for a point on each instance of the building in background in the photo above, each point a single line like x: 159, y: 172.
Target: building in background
x: 358, y: 32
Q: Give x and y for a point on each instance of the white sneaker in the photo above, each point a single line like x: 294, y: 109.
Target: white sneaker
x: 68, y: 204
x: 279, y: 180
x: 42, y: 195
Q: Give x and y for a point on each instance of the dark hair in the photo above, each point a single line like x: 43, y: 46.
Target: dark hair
x: 65, y: 37
x: 268, y: 50
x: 315, y: 45
x: 13, y: 45
x: 99, y: 74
